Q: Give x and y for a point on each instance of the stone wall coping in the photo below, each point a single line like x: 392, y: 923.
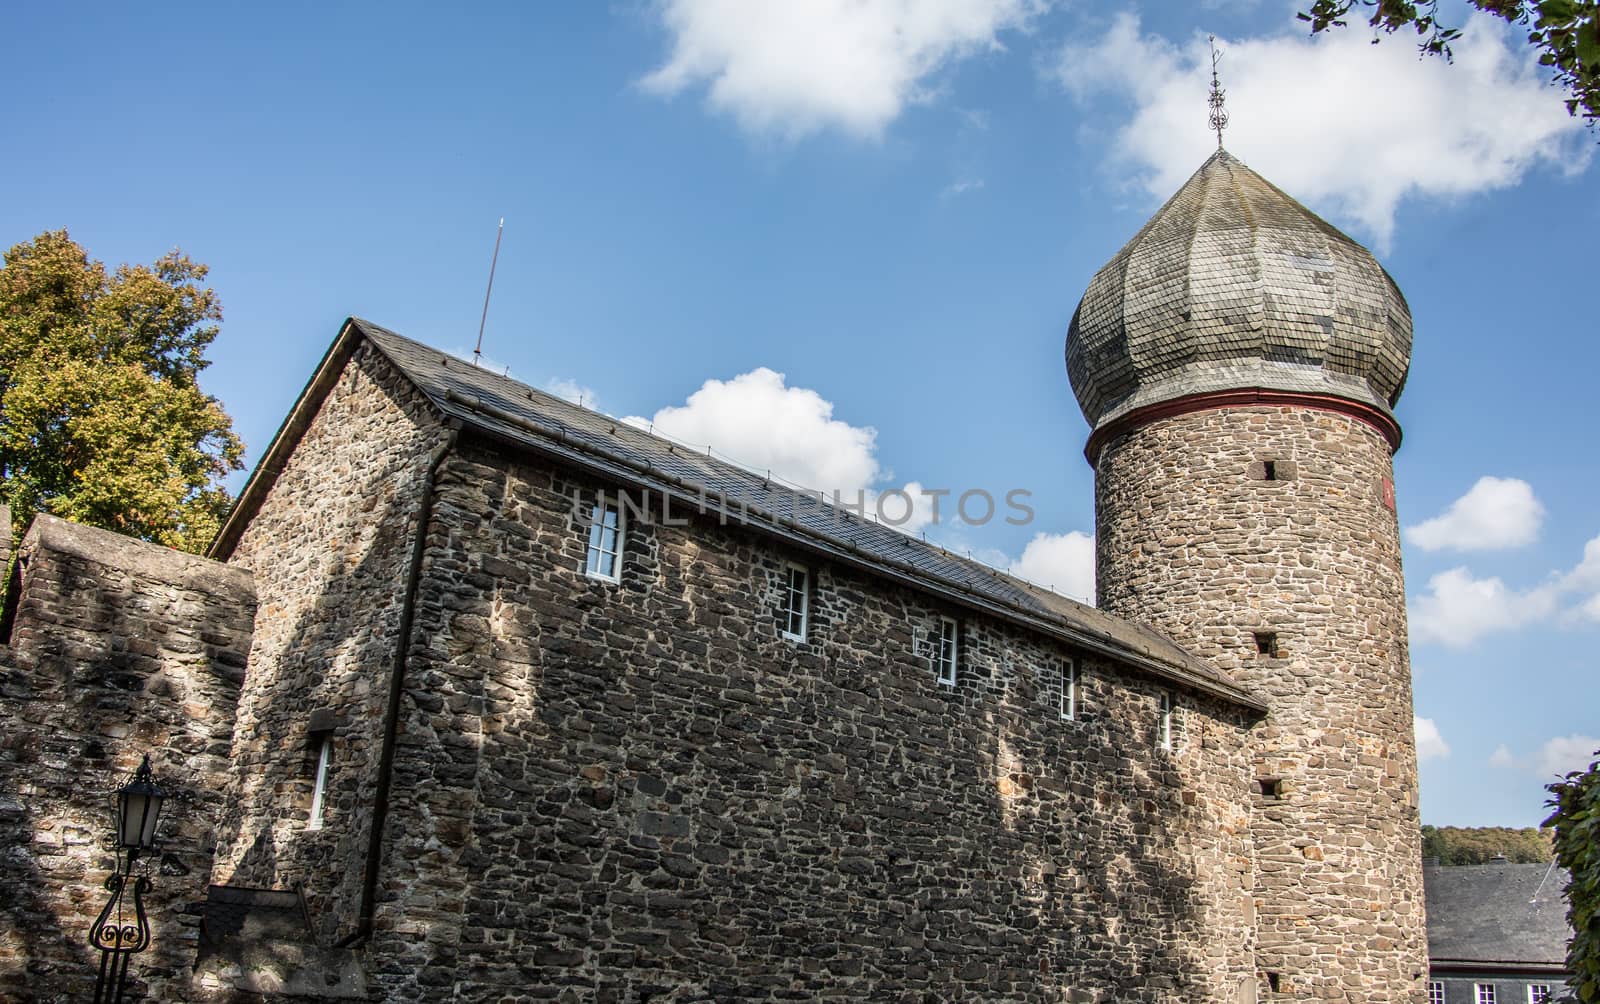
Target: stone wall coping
x: 142, y: 558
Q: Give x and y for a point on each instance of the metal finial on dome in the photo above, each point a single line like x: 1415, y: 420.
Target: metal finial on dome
x: 1219, y: 115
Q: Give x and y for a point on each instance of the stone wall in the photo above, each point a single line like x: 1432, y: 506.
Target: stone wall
x: 116, y: 648
x: 329, y: 549
x: 641, y: 791
x: 1193, y: 538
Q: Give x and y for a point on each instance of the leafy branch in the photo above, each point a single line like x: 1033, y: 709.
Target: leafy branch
x: 1565, y: 32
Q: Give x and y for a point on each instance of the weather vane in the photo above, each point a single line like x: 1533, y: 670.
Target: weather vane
x: 1219, y: 115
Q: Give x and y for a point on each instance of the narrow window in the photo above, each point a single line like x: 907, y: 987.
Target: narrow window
x: 1069, y: 690
x: 1164, y: 724
x: 1435, y: 992
x: 1269, y: 470
x: 319, y: 789
x: 1272, y: 788
x: 604, y: 560
x: 1483, y: 993
x: 1274, y: 982
x: 796, y: 603
x: 1538, y: 993
x: 1267, y: 643
x: 946, y: 655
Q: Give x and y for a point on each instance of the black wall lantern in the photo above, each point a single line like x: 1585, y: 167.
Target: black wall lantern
x: 118, y: 932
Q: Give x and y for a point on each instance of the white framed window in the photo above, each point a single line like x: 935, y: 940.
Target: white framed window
x: 796, y: 602
x: 606, y: 529
x: 319, y: 788
x: 945, y: 658
x: 1435, y: 992
x: 1069, y: 690
x: 1164, y: 722
x: 1483, y: 993
x: 1538, y: 993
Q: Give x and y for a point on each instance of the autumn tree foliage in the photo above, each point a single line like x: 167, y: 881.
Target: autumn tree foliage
x: 1476, y: 845
x: 102, y: 420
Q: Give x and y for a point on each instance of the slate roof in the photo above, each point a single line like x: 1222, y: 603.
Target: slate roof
x: 527, y: 418
x: 1489, y: 914
x: 1234, y: 285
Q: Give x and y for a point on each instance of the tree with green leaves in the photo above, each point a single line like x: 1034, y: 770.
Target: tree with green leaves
x: 102, y: 419
x: 1576, y: 801
x: 1477, y: 845
x: 1565, y: 32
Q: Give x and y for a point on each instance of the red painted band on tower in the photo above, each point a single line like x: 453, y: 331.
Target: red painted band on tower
x: 1383, y: 422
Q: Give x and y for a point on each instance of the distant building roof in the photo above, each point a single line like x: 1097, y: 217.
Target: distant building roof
x: 1233, y: 285
x: 515, y: 413
x: 1496, y: 915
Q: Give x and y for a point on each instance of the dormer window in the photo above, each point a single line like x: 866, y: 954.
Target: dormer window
x: 604, y: 558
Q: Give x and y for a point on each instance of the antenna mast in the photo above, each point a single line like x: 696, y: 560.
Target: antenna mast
x: 1219, y: 116
x: 477, y: 351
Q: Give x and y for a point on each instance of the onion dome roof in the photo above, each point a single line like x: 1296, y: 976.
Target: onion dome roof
x: 1235, y: 286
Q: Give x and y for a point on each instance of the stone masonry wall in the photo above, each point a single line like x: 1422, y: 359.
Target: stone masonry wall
x: 117, y: 648
x: 1193, y: 539
x: 329, y: 549
x: 641, y: 791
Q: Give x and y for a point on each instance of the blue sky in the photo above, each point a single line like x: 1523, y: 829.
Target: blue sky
x: 896, y: 207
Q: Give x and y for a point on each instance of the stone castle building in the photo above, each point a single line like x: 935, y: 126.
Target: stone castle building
x: 484, y: 696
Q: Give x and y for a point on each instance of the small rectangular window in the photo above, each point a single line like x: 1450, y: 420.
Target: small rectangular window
x: 1274, y: 982
x: 1269, y: 470
x: 1435, y: 992
x: 1271, y: 788
x: 1266, y: 643
x: 1069, y: 690
x: 1483, y: 993
x: 947, y: 653
x: 604, y: 559
x: 1164, y: 724
x: 796, y: 602
x: 319, y: 788
x: 1538, y: 993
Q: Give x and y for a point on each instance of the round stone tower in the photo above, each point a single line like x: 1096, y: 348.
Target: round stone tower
x: 1238, y: 360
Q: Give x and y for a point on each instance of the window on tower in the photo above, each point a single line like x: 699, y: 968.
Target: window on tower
x: 1267, y: 643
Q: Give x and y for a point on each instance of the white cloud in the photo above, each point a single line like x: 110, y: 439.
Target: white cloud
x: 1557, y: 757
x: 1062, y: 562
x: 1430, y: 744
x: 1495, y: 513
x: 1342, y: 124
x: 764, y: 424
x: 571, y: 390
x: 1563, y: 754
x: 961, y: 188
x: 1586, y: 576
x: 760, y: 422
x: 1458, y: 609
x: 790, y: 69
